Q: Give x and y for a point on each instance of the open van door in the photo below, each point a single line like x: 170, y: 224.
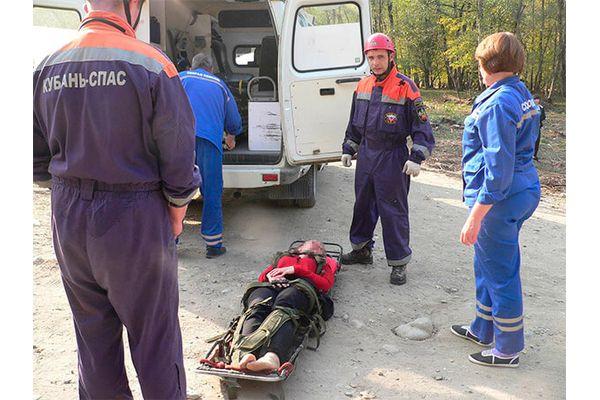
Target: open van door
x: 320, y: 62
x: 55, y: 23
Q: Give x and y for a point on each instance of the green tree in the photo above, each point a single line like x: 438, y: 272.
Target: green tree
x: 436, y: 39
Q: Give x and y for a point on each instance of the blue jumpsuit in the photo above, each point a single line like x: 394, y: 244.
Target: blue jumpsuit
x: 383, y: 115
x: 498, y: 145
x: 215, y: 111
x: 113, y: 130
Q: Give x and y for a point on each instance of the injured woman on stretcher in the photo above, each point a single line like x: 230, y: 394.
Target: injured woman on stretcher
x: 289, y: 299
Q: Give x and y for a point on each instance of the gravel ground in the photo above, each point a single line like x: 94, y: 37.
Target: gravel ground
x: 360, y: 357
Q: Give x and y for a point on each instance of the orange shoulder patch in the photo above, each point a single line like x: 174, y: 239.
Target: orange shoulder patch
x: 412, y: 94
x: 411, y: 89
x: 366, y: 85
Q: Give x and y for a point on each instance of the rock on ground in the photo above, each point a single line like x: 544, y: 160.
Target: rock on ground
x: 419, y: 329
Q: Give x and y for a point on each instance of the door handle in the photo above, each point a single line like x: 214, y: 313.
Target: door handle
x: 327, y: 91
x: 348, y: 80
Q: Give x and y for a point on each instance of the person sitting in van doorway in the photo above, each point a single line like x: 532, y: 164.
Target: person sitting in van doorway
x: 386, y: 108
x: 215, y: 111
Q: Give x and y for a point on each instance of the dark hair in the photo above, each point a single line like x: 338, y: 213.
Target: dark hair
x: 536, y: 97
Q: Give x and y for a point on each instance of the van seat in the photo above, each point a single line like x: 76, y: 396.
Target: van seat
x: 268, y: 62
x: 220, y: 55
x: 234, y: 78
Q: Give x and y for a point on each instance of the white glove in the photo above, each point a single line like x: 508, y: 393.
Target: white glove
x: 346, y: 160
x: 411, y: 168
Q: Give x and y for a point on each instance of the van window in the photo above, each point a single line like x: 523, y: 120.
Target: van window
x: 52, y: 28
x: 56, y: 18
x: 327, y: 37
x: 246, y: 55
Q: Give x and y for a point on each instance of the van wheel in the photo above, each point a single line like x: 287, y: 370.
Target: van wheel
x: 301, y: 193
x: 306, y: 203
x: 311, y: 182
x: 285, y: 203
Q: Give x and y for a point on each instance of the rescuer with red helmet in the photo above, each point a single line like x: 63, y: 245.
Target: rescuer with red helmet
x: 386, y: 109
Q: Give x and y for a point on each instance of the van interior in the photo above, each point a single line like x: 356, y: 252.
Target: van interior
x: 243, y: 42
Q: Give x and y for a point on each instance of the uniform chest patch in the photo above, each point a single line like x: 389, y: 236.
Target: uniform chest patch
x: 390, y: 118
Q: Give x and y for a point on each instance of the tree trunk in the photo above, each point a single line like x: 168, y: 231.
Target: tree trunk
x: 541, y: 50
x: 444, y: 44
x: 518, y: 18
x: 478, y: 22
x: 390, y: 8
x: 558, y: 84
x: 561, y: 49
x: 380, y: 16
x: 550, y: 93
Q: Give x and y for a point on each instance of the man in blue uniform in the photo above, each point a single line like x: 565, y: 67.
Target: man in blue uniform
x: 215, y: 111
x: 502, y: 190
x: 386, y: 109
x: 113, y: 132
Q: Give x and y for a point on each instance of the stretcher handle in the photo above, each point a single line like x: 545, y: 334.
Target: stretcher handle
x: 335, y: 254
x: 286, y: 369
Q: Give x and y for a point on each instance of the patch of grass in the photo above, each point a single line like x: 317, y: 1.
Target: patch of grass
x: 447, y: 111
x: 445, y: 106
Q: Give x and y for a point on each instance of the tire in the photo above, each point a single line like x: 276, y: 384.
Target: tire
x: 300, y: 193
x: 306, y: 203
x: 285, y: 203
x: 311, y: 200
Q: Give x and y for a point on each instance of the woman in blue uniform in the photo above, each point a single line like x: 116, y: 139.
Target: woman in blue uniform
x: 502, y: 190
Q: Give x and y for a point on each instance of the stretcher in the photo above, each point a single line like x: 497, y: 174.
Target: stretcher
x: 230, y: 375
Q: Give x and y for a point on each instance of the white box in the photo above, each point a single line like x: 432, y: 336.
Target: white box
x: 264, y: 126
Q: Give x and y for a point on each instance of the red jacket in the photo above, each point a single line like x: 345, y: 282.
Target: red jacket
x: 306, y: 267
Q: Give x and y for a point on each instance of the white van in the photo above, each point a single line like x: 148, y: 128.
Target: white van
x: 292, y: 66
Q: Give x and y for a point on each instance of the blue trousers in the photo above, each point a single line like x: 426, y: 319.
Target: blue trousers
x: 499, y: 309
x: 209, y: 160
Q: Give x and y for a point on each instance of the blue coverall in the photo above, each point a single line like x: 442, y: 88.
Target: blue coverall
x: 113, y: 130
x: 498, y: 145
x: 383, y: 115
x: 215, y: 111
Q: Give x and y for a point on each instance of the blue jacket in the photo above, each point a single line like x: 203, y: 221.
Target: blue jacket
x: 498, y: 143
x: 213, y: 105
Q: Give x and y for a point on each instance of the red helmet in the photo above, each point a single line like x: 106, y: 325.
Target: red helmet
x: 379, y: 41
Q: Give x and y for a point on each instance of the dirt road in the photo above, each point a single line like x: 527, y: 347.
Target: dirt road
x: 359, y: 356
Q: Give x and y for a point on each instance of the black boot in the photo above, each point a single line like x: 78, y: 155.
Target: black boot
x: 214, y: 252
x: 398, y: 275
x: 361, y: 256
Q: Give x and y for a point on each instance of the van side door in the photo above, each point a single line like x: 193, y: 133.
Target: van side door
x: 320, y: 62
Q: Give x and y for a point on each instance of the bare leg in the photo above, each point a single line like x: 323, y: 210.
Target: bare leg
x: 267, y: 363
x: 247, y: 359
